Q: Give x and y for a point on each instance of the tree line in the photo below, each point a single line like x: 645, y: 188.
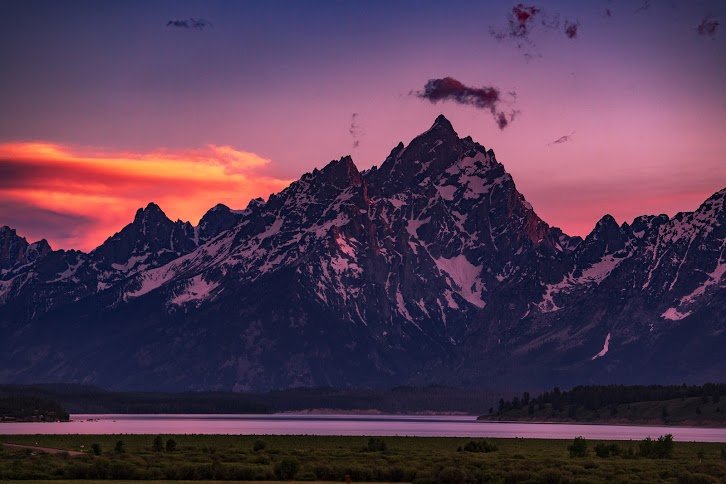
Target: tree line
x: 593, y: 397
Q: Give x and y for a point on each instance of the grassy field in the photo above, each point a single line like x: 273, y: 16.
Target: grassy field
x: 319, y: 458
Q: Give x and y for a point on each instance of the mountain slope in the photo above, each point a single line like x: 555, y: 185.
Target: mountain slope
x: 430, y: 268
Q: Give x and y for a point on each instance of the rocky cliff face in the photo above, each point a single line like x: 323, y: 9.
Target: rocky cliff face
x: 15, y: 250
x: 430, y: 268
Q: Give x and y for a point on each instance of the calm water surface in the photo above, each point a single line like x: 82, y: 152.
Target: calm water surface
x: 286, y: 424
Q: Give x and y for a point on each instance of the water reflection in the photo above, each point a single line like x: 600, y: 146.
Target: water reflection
x: 287, y: 424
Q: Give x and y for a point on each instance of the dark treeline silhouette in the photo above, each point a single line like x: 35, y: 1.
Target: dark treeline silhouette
x: 597, y: 396
x: 90, y: 399
x: 30, y: 409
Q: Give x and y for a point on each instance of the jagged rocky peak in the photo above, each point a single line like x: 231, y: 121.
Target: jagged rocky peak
x: 152, y: 214
x: 428, y: 155
x: 341, y: 173
x: 38, y: 249
x: 151, y: 235
x: 15, y: 249
x: 442, y: 125
x: 217, y: 220
x: 319, y: 186
x: 606, y: 238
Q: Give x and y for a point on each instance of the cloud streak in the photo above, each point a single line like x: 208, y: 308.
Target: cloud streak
x: 487, y: 98
x: 93, y: 193
x: 562, y: 139
x: 355, y: 130
x: 189, y: 23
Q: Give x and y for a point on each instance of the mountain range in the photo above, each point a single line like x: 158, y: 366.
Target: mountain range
x: 430, y: 268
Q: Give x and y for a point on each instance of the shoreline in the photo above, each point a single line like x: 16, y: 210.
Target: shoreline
x: 607, y: 423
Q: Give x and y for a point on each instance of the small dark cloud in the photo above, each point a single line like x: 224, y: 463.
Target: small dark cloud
x: 354, y: 130
x: 563, y: 139
x: 644, y: 5
x: 608, y: 13
x: 487, y: 98
x: 571, y: 29
x: 521, y: 20
x: 708, y: 26
x: 522, y: 23
x: 189, y: 23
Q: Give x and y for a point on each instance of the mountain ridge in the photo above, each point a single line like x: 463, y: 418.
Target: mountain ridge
x: 430, y: 268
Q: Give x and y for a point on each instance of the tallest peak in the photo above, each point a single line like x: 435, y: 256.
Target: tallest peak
x: 442, y: 123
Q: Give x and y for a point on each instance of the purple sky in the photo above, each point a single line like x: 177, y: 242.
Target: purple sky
x: 636, y: 96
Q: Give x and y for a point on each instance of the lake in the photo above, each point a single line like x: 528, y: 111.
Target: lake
x: 291, y: 424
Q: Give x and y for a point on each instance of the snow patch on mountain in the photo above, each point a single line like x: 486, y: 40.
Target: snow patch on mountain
x: 412, y: 225
x: 131, y: 263
x: 196, y: 289
x: 593, y: 275
x: 714, y: 279
x: 604, y: 350
x: 673, y: 314
x: 13, y: 285
x: 447, y: 192
x: 69, y: 272
x: 465, y: 276
x: 345, y: 246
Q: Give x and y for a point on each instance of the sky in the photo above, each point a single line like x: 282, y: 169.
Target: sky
x: 595, y: 107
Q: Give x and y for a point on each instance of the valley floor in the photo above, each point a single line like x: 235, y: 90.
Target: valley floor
x: 358, y: 459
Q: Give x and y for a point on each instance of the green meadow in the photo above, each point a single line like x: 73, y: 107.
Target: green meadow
x: 359, y: 459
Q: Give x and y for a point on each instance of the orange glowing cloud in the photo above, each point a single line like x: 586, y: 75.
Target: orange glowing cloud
x: 76, y: 197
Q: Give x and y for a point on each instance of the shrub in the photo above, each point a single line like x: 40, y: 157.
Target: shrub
x: 578, y: 448
x: 645, y: 447
x: 121, y: 470
x: 423, y: 480
x: 396, y: 474
x: 96, y: 448
x: 286, y: 469
x: 602, y: 450
x: 696, y: 478
x: 158, y: 444
x: 170, y: 445
x: 451, y: 475
x: 376, y: 444
x: 656, y: 449
x: 479, y: 446
x: 258, y: 445
x: 119, y: 447
x: 552, y: 476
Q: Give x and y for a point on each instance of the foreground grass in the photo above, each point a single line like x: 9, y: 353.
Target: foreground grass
x: 321, y: 458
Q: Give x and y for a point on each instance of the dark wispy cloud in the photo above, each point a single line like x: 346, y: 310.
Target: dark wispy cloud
x: 524, y: 20
x: 562, y: 139
x: 520, y: 22
x: 354, y: 130
x: 644, y: 5
x: 571, y: 29
x: 708, y: 26
x: 189, y: 23
x: 487, y: 98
